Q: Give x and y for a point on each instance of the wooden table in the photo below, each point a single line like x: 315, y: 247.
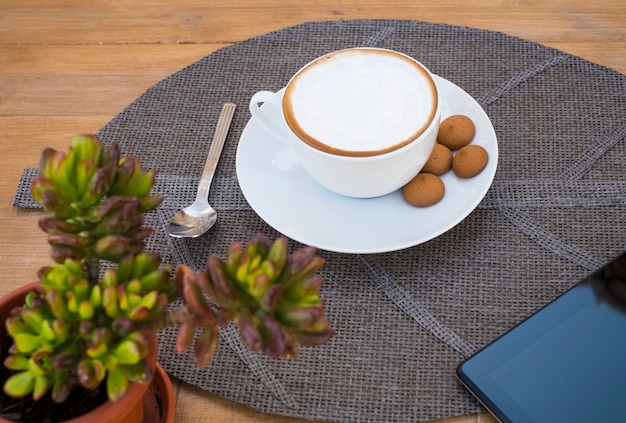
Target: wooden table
x: 69, y: 66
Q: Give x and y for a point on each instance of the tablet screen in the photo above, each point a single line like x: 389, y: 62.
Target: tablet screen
x: 565, y: 363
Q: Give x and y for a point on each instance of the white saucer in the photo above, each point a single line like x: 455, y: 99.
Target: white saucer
x: 299, y: 208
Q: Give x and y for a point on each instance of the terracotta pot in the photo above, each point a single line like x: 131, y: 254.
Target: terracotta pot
x: 129, y: 409
x: 159, y: 402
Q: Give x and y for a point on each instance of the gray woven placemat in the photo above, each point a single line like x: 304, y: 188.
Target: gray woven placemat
x: 404, y: 320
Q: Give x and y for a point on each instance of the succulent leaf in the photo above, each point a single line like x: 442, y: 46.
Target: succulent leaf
x: 304, y: 289
x: 112, y: 247
x: 97, y: 350
x: 26, y: 343
x: 233, y: 258
x: 139, y: 372
x: 271, y: 297
x: 20, y: 384
x: 85, y: 147
x: 50, y: 162
x: 95, y: 296
x: 278, y: 254
x: 110, y: 278
x: 52, y: 225
x: 300, y: 317
x: 72, y: 302
x: 32, y: 318
x: 275, y: 344
x: 133, y: 287
x: 110, y: 301
x: 139, y: 314
x: 60, y: 253
x: 131, y: 180
x: 139, y: 263
x: 16, y: 362
x: 150, y: 202
x: 46, y: 331
x: 157, y: 280
x: 85, y: 310
x: 186, y: 333
x: 85, y: 170
x: 249, y: 333
x: 117, y: 383
x: 205, y: 346
x: 61, y: 330
x: 122, y: 326
x: 85, y: 328
x: 51, y: 197
x: 16, y: 326
x: 192, y: 294
x: 90, y: 373
x: 127, y: 352
x: 40, y: 387
x: 64, y: 361
x: 58, y: 305
x: 99, y: 184
x: 141, y: 340
x: 219, y: 279
x: 61, y: 388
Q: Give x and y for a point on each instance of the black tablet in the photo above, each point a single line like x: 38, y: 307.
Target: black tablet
x: 565, y: 363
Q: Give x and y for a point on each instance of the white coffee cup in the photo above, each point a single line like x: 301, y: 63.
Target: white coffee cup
x: 362, y: 121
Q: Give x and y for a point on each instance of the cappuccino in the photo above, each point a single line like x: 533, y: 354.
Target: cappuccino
x: 360, y: 102
x: 362, y: 122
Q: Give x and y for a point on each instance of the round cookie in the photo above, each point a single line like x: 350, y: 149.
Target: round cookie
x: 456, y: 131
x: 440, y: 160
x: 469, y: 161
x: 424, y: 190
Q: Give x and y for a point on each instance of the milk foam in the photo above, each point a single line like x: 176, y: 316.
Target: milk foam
x: 363, y: 101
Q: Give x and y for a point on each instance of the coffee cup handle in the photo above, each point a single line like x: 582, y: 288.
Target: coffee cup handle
x: 270, y: 115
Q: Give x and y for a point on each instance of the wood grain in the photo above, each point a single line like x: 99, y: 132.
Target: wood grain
x: 69, y: 66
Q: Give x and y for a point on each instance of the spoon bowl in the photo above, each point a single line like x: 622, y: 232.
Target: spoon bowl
x: 188, y: 223
x: 193, y: 221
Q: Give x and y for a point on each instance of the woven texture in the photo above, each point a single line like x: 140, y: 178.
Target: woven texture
x: 404, y: 320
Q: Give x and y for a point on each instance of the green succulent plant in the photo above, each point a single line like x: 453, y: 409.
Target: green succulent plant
x: 86, y: 326
x: 273, y: 297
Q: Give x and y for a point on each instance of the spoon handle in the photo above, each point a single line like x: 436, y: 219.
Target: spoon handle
x: 221, y: 130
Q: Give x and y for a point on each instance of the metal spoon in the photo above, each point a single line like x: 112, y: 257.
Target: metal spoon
x: 193, y: 221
